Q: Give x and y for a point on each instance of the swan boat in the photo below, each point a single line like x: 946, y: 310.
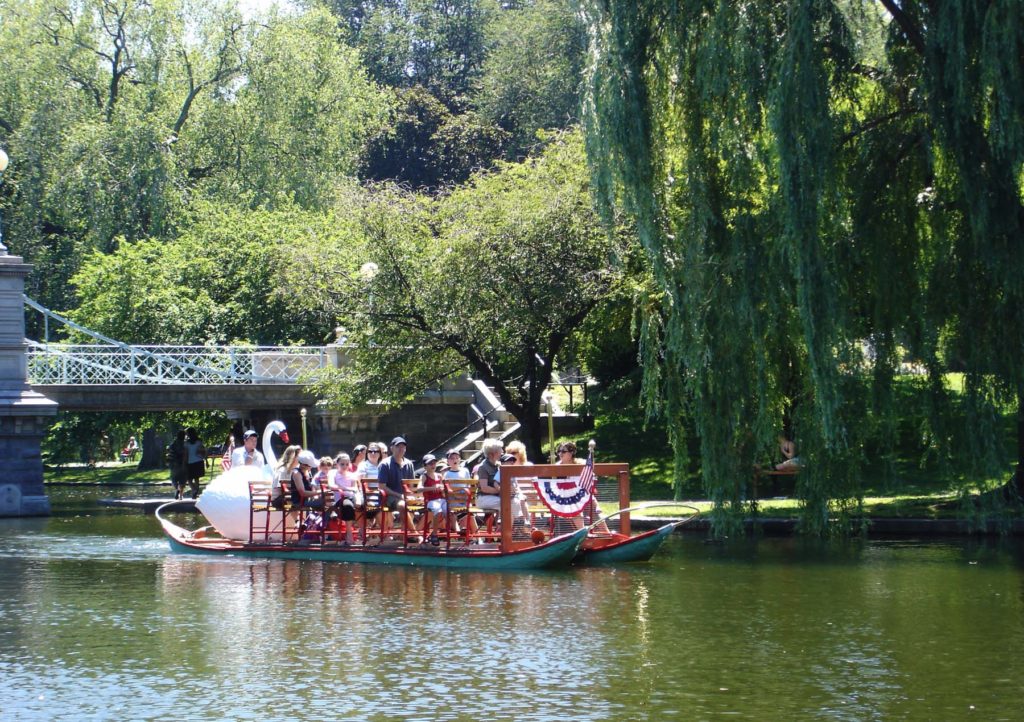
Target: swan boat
x: 230, y: 508
x: 244, y: 525
x: 553, y: 553
x: 604, y: 547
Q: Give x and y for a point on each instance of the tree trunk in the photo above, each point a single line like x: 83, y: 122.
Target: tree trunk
x: 532, y: 432
x: 152, y: 450
x: 1017, y: 482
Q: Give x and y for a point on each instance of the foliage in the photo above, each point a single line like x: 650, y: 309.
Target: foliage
x: 119, y: 114
x: 233, y: 276
x: 809, y: 199
x: 93, y: 437
x: 407, y: 43
x: 428, y: 146
x: 476, y: 80
x: 530, y: 79
x: 496, y: 277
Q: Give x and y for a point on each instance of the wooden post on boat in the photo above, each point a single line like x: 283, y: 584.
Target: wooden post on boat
x: 624, y: 501
x: 505, y: 511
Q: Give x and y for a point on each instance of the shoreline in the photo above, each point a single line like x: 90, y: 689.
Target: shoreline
x: 877, y: 527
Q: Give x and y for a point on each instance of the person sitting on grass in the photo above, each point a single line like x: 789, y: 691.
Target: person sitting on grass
x: 791, y: 462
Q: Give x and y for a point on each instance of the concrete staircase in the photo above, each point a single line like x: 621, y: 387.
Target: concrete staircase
x: 487, y: 419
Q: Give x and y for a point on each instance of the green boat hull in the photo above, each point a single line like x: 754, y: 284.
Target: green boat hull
x: 556, y: 553
x: 634, y: 549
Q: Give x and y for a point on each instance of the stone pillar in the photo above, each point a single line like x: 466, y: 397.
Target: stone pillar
x: 24, y: 414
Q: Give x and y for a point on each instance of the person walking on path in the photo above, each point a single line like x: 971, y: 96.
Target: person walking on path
x: 178, y: 463
x: 196, y: 454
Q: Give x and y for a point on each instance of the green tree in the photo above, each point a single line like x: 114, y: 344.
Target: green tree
x: 495, y: 277
x: 530, y: 79
x: 439, y: 46
x: 429, y: 147
x: 232, y: 276
x: 118, y: 114
x: 806, y: 191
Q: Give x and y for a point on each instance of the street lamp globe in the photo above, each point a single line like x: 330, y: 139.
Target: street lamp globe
x: 4, y: 160
x: 368, y: 270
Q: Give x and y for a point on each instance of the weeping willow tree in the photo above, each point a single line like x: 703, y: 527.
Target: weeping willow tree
x: 817, y: 183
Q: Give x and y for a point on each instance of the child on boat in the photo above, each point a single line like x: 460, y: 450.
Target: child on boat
x: 457, y: 478
x: 433, y: 497
x: 347, y: 497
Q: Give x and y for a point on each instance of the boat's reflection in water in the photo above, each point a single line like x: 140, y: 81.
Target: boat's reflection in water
x: 492, y: 641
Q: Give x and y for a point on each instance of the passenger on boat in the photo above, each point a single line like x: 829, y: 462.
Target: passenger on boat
x: 324, y: 465
x: 368, y: 468
x: 458, y: 479
x: 347, y: 496
x: 455, y: 470
x: 489, y: 481
x: 566, y: 455
x: 390, y: 475
x: 247, y: 454
x: 433, y: 497
x: 358, y: 457
x: 288, y: 463
x: 305, y: 492
x: 517, y: 450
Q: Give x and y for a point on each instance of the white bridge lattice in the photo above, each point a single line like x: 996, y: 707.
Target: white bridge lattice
x: 110, y: 362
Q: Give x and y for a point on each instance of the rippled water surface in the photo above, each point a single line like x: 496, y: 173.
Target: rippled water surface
x: 98, y: 620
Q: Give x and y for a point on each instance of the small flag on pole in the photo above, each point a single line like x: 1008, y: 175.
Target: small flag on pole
x: 587, y: 478
x: 225, y: 461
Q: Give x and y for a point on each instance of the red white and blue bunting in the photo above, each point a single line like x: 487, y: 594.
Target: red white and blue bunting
x: 567, y: 497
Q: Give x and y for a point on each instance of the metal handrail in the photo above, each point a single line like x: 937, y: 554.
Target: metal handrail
x: 112, y: 361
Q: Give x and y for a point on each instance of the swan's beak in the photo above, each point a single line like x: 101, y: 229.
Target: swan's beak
x: 284, y: 436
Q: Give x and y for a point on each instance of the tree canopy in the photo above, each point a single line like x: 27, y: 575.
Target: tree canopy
x: 816, y: 184
x: 118, y: 114
x: 495, y: 277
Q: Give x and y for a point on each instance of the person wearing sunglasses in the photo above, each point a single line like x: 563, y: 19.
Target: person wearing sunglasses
x: 368, y: 467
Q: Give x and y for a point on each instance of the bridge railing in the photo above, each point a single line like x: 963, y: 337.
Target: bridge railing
x: 119, y: 364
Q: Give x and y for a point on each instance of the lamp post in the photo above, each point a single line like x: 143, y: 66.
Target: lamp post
x: 367, y: 271
x: 302, y: 413
x: 4, y: 160
x: 551, y: 427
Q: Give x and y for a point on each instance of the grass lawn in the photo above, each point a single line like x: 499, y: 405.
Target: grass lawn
x: 913, y: 489
x: 105, y: 473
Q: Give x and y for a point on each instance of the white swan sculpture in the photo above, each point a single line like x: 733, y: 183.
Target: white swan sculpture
x: 225, y: 501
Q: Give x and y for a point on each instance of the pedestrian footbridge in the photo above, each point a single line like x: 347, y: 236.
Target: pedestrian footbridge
x: 108, y: 375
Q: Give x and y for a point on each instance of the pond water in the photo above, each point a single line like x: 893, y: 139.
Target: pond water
x: 101, y: 621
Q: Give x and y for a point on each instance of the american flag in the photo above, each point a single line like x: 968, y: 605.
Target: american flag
x: 587, y: 478
x: 225, y: 461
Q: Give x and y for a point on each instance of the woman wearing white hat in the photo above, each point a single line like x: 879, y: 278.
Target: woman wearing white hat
x: 307, y: 493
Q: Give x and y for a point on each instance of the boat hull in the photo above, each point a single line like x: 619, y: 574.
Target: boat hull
x: 621, y: 549
x: 556, y: 553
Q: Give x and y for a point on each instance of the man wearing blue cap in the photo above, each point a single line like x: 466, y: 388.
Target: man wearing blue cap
x: 390, y: 475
